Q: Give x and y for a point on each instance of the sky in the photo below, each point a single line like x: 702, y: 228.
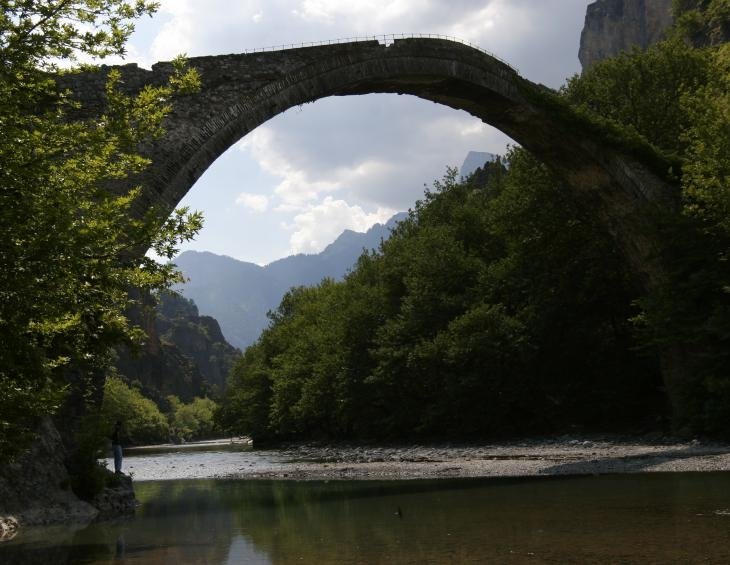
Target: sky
x: 297, y: 181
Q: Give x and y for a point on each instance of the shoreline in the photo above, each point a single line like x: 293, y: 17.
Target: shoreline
x: 536, y: 458
x: 495, y: 461
x: 549, y: 457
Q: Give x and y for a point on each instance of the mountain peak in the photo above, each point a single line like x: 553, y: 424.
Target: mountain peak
x: 475, y: 160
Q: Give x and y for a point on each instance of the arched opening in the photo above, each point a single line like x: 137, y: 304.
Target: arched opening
x: 311, y: 172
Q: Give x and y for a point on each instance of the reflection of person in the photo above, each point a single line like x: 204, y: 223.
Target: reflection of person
x: 120, y: 547
x: 117, y: 447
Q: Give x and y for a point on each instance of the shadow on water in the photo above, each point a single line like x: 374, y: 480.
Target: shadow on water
x: 667, y: 518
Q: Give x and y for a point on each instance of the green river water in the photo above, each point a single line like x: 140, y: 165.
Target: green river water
x: 652, y: 518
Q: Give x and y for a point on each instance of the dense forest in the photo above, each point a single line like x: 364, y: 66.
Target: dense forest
x: 502, y: 307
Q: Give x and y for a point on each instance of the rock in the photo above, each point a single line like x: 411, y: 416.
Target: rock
x: 116, y: 500
x: 8, y: 528
x: 185, y: 354
x: 474, y: 160
x: 612, y: 26
x: 35, y: 489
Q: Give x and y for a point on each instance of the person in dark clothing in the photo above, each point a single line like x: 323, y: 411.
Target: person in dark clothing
x: 117, y: 447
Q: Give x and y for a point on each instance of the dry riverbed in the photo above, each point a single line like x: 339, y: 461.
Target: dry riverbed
x: 560, y: 456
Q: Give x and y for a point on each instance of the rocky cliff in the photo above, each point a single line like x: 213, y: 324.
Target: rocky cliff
x: 612, y: 26
x: 35, y: 489
x: 185, y: 354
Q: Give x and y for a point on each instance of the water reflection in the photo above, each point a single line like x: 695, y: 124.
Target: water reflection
x: 646, y: 518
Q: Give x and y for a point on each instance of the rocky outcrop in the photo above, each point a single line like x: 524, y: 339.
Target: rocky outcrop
x: 475, y: 160
x: 612, y: 26
x: 35, y: 489
x: 116, y: 500
x: 185, y: 354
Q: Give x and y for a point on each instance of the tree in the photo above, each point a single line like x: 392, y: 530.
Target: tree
x: 192, y: 421
x: 704, y: 22
x: 496, y: 307
x: 676, y: 95
x: 142, y: 421
x: 71, y: 251
x: 642, y: 90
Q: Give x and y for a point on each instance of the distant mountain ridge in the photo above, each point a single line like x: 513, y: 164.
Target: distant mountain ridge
x: 239, y: 294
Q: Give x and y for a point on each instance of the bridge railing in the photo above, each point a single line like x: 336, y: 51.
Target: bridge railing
x: 384, y: 38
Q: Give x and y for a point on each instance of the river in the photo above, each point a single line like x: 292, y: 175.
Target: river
x: 641, y: 518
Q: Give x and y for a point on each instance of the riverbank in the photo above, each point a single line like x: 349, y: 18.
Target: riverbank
x: 561, y: 456
x: 208, y: 444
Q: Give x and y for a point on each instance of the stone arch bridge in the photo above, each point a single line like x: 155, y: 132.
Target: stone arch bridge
x: 242, y: 91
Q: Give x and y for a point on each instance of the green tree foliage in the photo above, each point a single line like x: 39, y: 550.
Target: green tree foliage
x: 70, y: 250
x: 642, y: 90
x: 676, y: 96
x: 704, y: 22
x: 245, y: 407
x: 192, y: 421
x: 497, y: 307
x: 142, y: 421
x: 706, y: 173
x: 501, y: 305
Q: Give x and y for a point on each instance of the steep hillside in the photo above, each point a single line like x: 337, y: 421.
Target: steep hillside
x: 185, y: 354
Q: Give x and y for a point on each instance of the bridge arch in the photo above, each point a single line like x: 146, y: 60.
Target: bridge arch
x: 241, y: 92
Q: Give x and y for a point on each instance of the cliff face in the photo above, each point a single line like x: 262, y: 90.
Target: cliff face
x: 35, y: 489
x: 185, y: 353
x: 613, y: 26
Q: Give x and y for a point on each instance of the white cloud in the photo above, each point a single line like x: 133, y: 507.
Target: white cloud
x: 300, y: 180
x: 373, y: 151
x: 320, y: 224
x: 176, y: 35
x: 539, y: 36
x: 255, y: 202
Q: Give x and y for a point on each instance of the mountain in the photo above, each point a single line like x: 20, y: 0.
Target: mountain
x: 475, y: 160
x: 185, y: 354
x: 612, y: 26
x: 239, y: 294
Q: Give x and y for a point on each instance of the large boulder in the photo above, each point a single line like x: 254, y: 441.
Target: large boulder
x: 35, y: 489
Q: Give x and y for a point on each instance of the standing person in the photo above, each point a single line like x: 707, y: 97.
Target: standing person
x: 117, y: 447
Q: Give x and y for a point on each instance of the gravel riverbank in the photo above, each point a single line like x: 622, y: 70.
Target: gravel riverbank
x: 533, y: 458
